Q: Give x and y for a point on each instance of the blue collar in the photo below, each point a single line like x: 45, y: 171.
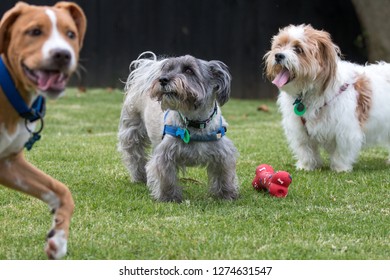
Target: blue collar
x: 36, y: 112
x: 184, y: 134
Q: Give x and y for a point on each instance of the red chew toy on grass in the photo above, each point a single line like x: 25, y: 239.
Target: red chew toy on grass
x: 276, y: 183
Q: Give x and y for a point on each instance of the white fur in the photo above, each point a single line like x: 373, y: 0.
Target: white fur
x: 56, y: 246
x: 13, y: 142
x: 56, y: 41
x: 297, y: 32
x: 335, y: 126
x: 51, y: 199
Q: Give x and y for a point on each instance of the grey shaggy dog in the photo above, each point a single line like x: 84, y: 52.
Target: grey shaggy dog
x: 173, y: 104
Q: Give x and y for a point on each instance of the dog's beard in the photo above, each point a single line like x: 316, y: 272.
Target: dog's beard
x: 173, y: 98
x: 169, y: 100
x: 172, y: 101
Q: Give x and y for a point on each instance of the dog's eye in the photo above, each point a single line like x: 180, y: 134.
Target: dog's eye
x: 188, y: 71
x: 35, y: 32
x: 71, y: 35
x: 298, y: 49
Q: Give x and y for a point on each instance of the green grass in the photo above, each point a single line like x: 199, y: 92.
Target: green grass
x: 325, y: 215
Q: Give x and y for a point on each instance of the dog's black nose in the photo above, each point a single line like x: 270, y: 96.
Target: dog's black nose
x: 279, y: 57
x: 163, y: 81
x: 61, y: 57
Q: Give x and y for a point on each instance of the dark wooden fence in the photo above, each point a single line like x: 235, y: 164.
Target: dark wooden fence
x: 237, y: 32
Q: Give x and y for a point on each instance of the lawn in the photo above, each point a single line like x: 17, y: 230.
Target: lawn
x: 325, y: 215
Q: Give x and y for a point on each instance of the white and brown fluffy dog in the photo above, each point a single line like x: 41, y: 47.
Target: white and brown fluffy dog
x: 325, y: 101
x: 174, y: 104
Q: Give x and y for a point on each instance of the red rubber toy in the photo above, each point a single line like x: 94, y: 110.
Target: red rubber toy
x: 276, y: 183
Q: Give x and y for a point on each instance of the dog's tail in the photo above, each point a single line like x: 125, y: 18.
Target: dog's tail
x: 143, y: 72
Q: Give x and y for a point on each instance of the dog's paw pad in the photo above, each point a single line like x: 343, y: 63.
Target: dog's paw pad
x: 56, y: 245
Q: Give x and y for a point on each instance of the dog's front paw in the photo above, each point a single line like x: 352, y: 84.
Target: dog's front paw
x: 225, y: 190
x: 172, y: 194
x: 227, y: 195
x: 308, y: 166
x: 56, y: 244
x: 340, y: 167
x: 170, y: 198
x: 139, y: 178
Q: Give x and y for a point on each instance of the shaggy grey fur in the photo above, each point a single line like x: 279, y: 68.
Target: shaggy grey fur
x: 189, y: 88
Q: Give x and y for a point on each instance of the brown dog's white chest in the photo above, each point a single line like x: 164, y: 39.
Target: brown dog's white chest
x: 11, y: 143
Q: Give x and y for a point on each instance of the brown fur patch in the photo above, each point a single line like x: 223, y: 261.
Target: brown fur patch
x: 363, y: 88
x: 325, y: 53
x: 8, y: 116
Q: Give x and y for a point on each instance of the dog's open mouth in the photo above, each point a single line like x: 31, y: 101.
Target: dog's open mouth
x: 282, y: 78
x: 47, y: 80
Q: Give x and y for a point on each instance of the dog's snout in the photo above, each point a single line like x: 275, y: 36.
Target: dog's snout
x: 279, y: 57
x: 61, y: 57
x: 164, y: 81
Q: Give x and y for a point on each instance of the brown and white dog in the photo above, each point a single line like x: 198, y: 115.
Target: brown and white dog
x: 39, y: 46
x: 327, y: 102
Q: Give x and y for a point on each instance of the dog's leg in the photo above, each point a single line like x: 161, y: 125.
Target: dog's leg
x: 133, y: 141
x: 346, y: 151
x: 222, y: 172
x: 305, y: 150
x: 18, y: 174
x: 162, y: 174
x: 341, y: 161
x: 308, y: 155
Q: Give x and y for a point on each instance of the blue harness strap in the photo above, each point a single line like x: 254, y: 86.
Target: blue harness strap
x: 37, y: 110
x: 184, y: 134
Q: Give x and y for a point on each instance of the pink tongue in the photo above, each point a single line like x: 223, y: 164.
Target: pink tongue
x: 282, y: 78
x: 51, y: 80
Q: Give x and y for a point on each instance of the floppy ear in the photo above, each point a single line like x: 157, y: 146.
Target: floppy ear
x: 222, y: 79
x: 8, y: 19
x: 78, y: 16
x: 327, y: 55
